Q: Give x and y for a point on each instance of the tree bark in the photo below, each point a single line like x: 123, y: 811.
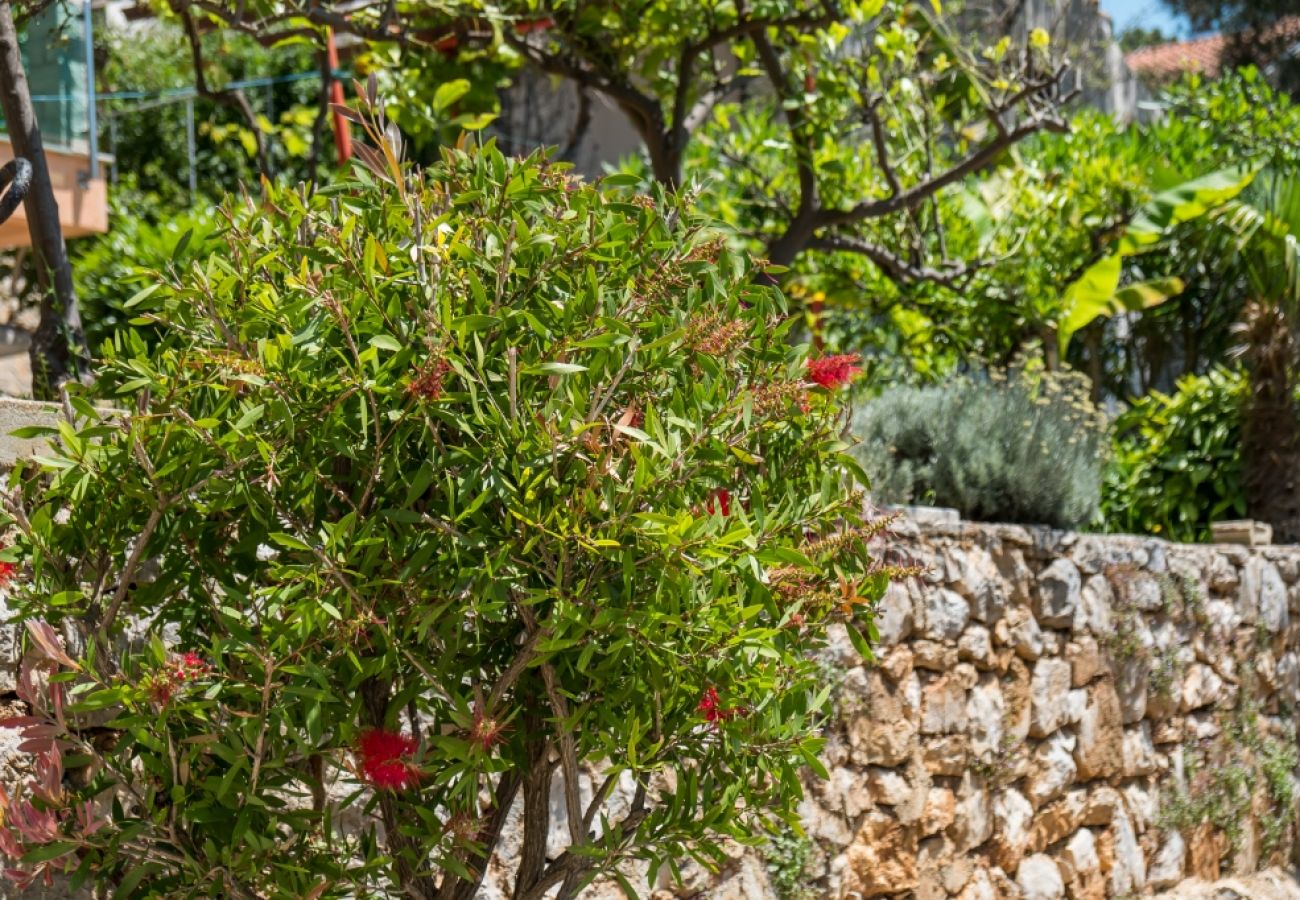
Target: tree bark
x: 58, y: 350
x: 1270, y: 445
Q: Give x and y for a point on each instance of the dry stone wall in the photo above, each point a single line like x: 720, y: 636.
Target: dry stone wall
x: 1053, y: 715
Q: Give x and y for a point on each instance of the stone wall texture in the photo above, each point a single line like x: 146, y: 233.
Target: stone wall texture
x: 1054, y: 715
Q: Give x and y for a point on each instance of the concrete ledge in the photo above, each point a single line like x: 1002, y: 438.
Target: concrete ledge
x: 15, y: 414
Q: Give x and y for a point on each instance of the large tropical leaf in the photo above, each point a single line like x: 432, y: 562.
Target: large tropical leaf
x: 1261, y: 237
x: 1097, y: 293
x: 1188, y: 201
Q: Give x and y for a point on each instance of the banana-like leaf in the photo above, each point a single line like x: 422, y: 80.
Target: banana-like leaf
x: 1183, y: 203
x: 1097, y: 293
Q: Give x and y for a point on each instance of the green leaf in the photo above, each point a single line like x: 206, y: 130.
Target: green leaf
x: 46, y: 852
x: 288, y: 540
x: 449, y: 92
x: 558, y: 368
x: 1089, y: 296
x: 142, y: 295
x: 385, y: 342
x: 1183, y: 203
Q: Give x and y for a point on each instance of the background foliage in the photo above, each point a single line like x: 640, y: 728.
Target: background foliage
x: 1024, y: 445
x: 1177, y: 460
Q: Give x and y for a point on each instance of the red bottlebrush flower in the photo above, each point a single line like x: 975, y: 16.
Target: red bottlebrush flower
x: 385, y: 759
x: 7, y: 570
x: 722, y: 497
x: 190, y: 665
x: 711, y: 708
x: 428, y: 381
x: 161, y: 688
x: 833, y: 371
x: 487, y: 731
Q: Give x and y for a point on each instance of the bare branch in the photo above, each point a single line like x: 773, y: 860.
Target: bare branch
x: 949, y: 273
x: 234, y: 99
x: 914, y: 195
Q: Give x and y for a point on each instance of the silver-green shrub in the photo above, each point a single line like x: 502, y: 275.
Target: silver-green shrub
x: 1020, y: 445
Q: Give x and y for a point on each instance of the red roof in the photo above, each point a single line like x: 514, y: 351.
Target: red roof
x: 1169, y: 60
x: 1201, y: 55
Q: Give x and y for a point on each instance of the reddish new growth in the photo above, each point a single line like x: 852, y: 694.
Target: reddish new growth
x: 385, y: 759
x: 833, y: 371
x: 428, y: 382
x: 487, y: 731
x: 714, y: 712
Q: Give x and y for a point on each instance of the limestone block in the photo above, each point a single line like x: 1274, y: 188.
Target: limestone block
x: 1059, y: 819
x: 888, y: 786
x: 945, y: 614
x: 979, y: 887
x: 1079, y: 856
x: 948, y: 755
x: 895, y: 617
x: 1202, y: 687
x: 1039, y: 879
x: 1084, y: 655
x: 976, y: 645
x: 1129, y: 873
x: 1025, y: 635
x: 943, y: 706
x: 1132, y: 680
x: 1168, y: 864
x: 1274, y: 613
x: 972, y: 820
x: 934, y: 656
x: 1095, y: 604
x: 881, y: 859
x: 1012, y: 817
x: 1139, y: 751
x: 1052, y: 770
x: 897, y: 664
x: 1050, y: 684
x: 985, y: 715
x: 940, y: 811
x: 1016, y: 691
x: 1058, y: 595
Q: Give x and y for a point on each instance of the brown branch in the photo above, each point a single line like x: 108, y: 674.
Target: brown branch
x: 234, y: 99
x: 568, y: 749
x: 882, y: 149
x: 948, y: 274
x: 783, y: 249
x: 914, y: 195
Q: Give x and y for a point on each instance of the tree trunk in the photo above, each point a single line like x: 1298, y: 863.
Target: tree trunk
x: 58, y: 346
x: 1270, y: 445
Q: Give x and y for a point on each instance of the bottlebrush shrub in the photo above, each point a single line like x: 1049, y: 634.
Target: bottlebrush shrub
x: 438, y: 489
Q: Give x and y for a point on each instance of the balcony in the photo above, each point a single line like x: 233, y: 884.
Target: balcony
x: 54, y: 45
x: 83, y: 201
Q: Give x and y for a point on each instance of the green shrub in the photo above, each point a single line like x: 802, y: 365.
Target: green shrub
x: 1176, y: 460
x: 112, y: 268
x: 434, y: 489
x: 1020, y: 446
